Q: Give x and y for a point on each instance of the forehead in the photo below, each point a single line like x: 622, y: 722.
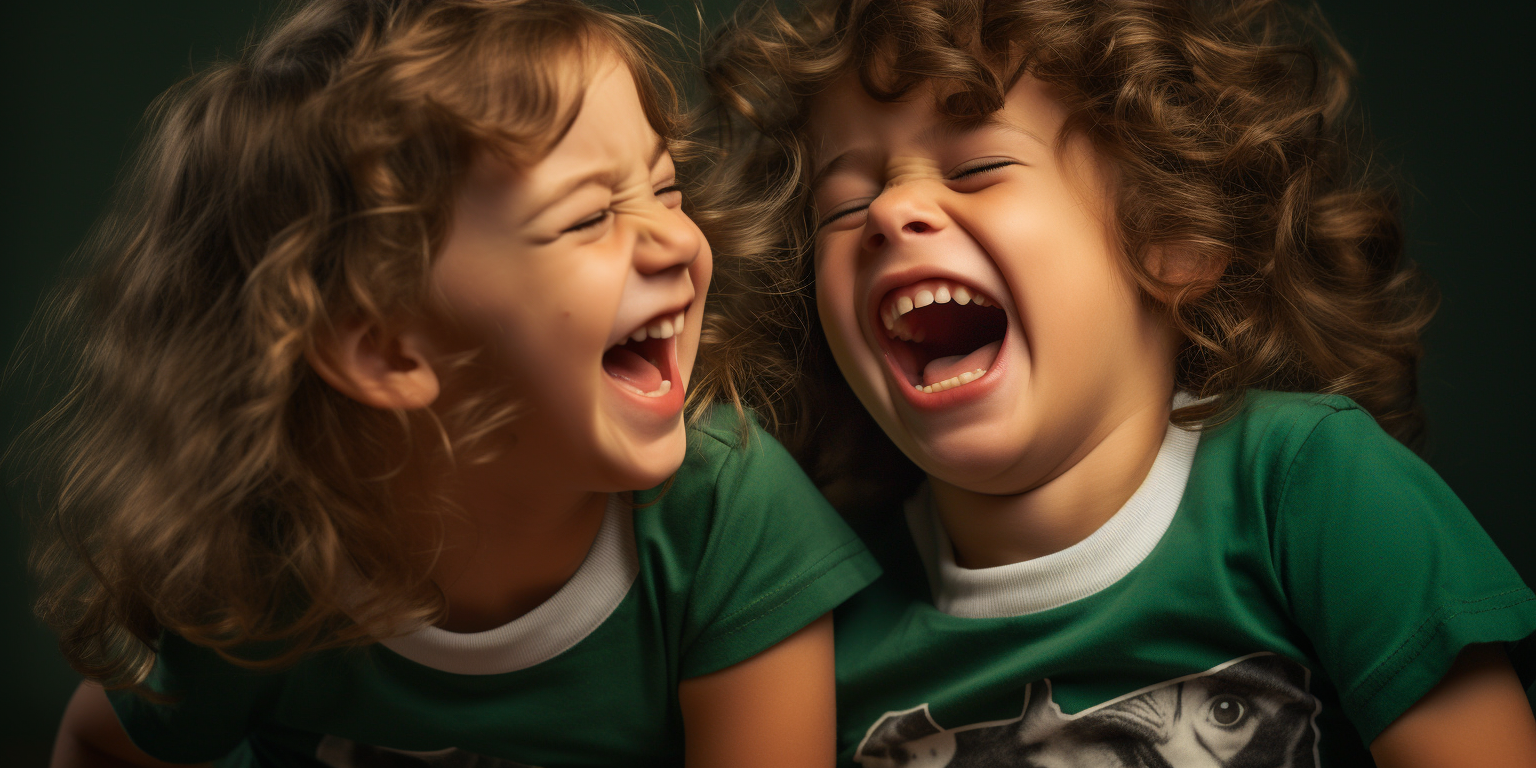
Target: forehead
x: 536, y: 108
x: 844, y: 117
x: 607, y: 142
x: 611, y: 119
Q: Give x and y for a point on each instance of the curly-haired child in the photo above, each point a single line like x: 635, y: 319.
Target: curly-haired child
x: 398, y: 319
x: 1106, y: 274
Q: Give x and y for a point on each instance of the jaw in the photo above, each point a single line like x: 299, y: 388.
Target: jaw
x: 640, y: 453
x: 969, y: 433
x: 638, y: 427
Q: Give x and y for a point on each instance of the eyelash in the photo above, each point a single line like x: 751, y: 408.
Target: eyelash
x: 982, y: 169
x: 959, y: 175
x: 597, y: 219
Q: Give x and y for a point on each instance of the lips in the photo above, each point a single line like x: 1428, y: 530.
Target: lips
x: 941, y: 333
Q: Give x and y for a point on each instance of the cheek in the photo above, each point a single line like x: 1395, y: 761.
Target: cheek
x: 702, y: 270
x: 835, y: 300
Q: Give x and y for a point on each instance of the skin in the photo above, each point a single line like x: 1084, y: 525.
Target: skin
x: 91, y: 736
x: 544, y: 269
x: 1052, y: 441
x: 1476, y: 716
x: 1041, y: 451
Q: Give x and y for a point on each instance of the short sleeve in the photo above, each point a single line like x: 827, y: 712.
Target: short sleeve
x: 777, y: 556
x: 1386, y: 571
x: 209, y: 708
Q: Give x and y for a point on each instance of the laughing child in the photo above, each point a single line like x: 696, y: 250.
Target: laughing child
x: 1103, y: 272
x: 403, y: 309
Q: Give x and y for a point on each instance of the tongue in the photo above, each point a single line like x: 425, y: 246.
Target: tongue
x: 622, y: 363
x: 949, y: 367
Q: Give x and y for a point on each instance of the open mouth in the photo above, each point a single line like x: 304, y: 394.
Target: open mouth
x: 646, y: 362
x: 941, y: 334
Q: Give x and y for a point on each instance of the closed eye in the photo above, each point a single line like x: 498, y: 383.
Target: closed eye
x: 980, y: 169
x: 589, y: 222
x: 670, y: 194
x: 842, y: 214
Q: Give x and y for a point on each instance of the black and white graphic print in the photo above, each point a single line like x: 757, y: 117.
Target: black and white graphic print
x: 344, y: 753
x: 1251, y: 712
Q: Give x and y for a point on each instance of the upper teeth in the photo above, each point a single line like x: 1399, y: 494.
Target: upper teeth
x: 665, y: 328
x: 927, y: 292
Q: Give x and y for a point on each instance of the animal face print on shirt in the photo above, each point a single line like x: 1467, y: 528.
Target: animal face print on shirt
x: 1251, y: 712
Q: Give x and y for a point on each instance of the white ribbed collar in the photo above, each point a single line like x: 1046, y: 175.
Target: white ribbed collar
x: 1076, y: 572
x: 562, y: 621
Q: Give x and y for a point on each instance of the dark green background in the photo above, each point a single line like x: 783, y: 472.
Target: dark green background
x: 1443, y: 85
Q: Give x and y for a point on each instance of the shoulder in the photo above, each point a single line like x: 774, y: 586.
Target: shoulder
x: 1272, y: 431
x: 723, y: 428
x: 1323, y: 474
x: 1301, y: 461
x: 1287, y: 419
x: 726, y: 444
x: 1309, y: 433
x: 735, y: 474
x: 196, y: 705
x: 1357, y: 521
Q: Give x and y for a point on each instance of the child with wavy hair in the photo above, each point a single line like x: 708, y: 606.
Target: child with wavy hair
x: 1106, y: 274
x: 370, y: 374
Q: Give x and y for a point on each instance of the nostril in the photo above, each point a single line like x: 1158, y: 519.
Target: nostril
x: 876, y: 240
x: 916, y: 227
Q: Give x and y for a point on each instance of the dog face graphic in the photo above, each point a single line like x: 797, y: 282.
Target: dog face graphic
x: 1252, y: 712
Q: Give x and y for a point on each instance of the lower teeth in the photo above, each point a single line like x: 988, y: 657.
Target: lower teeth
x: 950, y: 383
x: 666, y: 386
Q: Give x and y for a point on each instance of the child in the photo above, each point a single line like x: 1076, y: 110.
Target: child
x: 1081, y: 262
x: 406, y: 306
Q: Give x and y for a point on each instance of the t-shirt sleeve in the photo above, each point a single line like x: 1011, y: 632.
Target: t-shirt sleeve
x: 209, y: 708
x: 777, y: 556
x: 1387, y: 572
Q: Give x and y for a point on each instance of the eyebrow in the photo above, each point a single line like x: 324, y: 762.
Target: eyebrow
x: 606, y: 176
x: 939, y: 131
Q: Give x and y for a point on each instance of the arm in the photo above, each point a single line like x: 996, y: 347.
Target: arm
x: 1477, y: 715
x: 91, y: 736
x: 775, y: 709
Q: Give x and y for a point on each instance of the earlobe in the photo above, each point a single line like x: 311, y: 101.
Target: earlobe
x: 1181, y: 274
x: 378, y: 367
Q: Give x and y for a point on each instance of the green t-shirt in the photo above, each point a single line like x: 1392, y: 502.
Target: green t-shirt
x: 1278, y: 590
x: 738, y: 553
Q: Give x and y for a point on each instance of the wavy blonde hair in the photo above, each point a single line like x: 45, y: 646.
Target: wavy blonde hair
x: 198, y: 476
x: 1228, y: 123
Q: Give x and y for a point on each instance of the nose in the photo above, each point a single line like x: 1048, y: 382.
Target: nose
x: 667, y: 239
x: 900, y: 212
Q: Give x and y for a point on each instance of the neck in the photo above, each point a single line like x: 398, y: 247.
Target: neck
x: 1065, y: 507
x: 511, y: 542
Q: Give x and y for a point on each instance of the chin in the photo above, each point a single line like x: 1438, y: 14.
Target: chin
x: 647, y: 464
x: 969, y: 467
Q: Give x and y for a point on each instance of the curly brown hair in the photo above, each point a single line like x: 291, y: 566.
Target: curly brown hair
x: 1228, y: 124
x: 199, y: 477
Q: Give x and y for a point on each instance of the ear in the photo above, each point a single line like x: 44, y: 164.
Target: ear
x: 1182, y: 272
x: 377, y: 366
